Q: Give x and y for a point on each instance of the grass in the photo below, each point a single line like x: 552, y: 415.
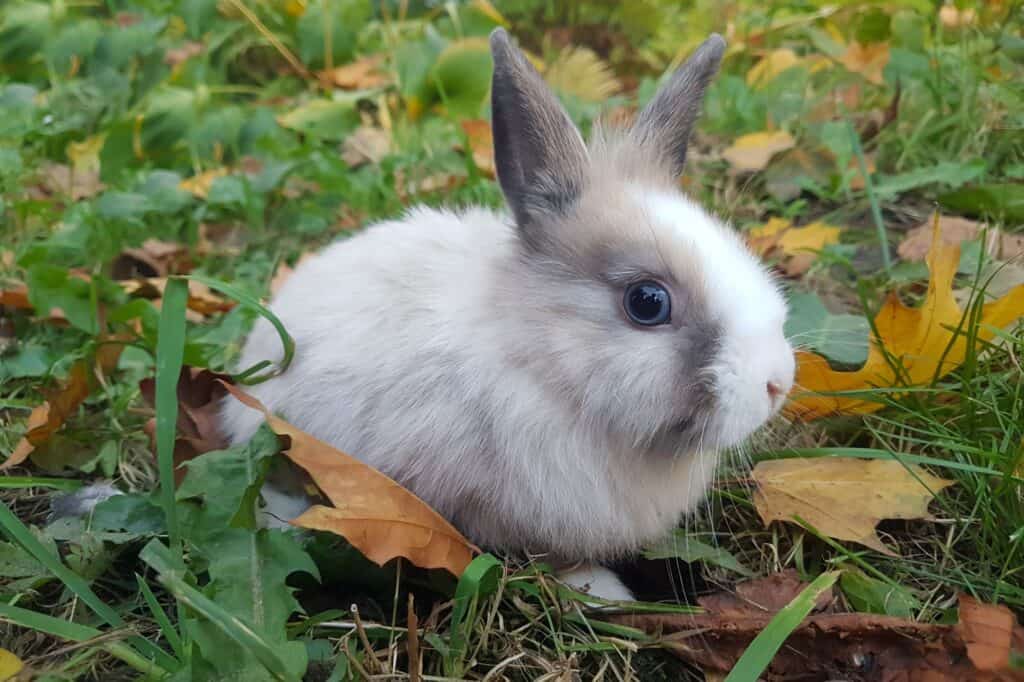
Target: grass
x: 109, y: 107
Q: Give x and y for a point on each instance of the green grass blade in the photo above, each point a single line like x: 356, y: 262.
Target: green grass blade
x: 20, y: 534
x: 170, y: 351
x: 18, y: 482
x: 762, y: 650
x: 876, y: 209
x: 160, y: 558
x: 161, y: 618
x: 75, y: 632
x: 872, y: 453
x: 249, y: 376
x: 478, y: 580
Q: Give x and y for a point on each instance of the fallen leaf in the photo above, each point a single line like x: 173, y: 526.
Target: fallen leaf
x: 375, y: 514
x: 923, y: 342
x: 955, y: 230
x: 155, y: 258
x: 62, y: 403
x: 751, y: 153
x: 952, y: 17
x: 795, y: 246
x: 85, y: 156
x: 10, y: 665
x: 767, y: 594
x: 481, y: 145
x: 61, y: 179
x: 991, y: 633
x: 828, y: 645
x: 199, y: 397
x: 201, y: 299
x: 15, y: 297
x: 867, y: 60
x: 580, y: 72
x: 199, y: 185
x: 366, y: 144
x: 843, y: 498
x: 365, y: 73
x: 774, y: 63
x: 178, y: 55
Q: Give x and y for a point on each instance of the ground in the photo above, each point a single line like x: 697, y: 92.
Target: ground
x: 143, y: 140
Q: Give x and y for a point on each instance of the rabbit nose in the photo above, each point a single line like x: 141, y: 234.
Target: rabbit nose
x: 775, y: 391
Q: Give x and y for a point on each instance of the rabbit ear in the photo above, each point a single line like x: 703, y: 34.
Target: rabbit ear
x: 540, y: 157
x: 664, y: 126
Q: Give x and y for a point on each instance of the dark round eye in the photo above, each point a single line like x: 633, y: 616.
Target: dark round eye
x: 647, y: 304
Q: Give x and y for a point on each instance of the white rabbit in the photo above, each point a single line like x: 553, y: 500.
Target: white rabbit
x: 556, y: 381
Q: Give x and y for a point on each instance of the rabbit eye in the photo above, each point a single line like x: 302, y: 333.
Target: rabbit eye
x: 647, y: 304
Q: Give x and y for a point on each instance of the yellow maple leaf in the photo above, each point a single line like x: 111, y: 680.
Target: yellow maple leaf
x: 867, y: 60
x: 843, y: 497
x: 796, y: 246
x: 922, y: 342
x: 10, y: 665
x: 199, y: 185
x: 752, y: 152
x: 770, y: 66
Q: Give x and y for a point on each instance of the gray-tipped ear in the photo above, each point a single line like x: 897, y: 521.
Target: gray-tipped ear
x: 540, y: 157
x: 665, y: 125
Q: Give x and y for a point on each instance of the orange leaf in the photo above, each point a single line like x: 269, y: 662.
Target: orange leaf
x: 363, y: 74
x: 923, y: 342
x: 867, y: 60
x: 990, y: 632
x: 61, y: 404
x: 375, y: 514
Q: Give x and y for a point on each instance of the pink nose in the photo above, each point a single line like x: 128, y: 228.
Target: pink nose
x: 774, y: 391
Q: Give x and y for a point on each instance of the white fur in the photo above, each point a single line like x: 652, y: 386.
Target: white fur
x: 552, y: 483
x: 750, y: 308
x: 597, y: 581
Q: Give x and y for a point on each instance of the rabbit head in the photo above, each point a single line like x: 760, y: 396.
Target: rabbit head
x: 647, y: 315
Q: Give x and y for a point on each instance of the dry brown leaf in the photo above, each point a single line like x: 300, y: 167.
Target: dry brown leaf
x: 201, y: 299
x: 375, y: 514
x: 751, y: 153
x: 367, y: 144
x: 829, y: 645
x: 923, y: 341
x: 481, y: 145
x: 65, y: 401
x: 991, y: 633
x: 155, y: 258
x: 178, y: 55
x: 955, y: 230
x: 365, y: 73
x: 796, y: 247
x: 843, y: 498
x: 199, y: 395
x: 61, y: 179
x: 867, y: 60
x: 15, y: 297
x: 952, y: 17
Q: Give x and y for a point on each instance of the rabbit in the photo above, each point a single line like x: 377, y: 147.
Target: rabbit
x: 556, y: 380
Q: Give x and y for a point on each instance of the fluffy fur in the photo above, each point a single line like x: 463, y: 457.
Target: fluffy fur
x: 484, y: 360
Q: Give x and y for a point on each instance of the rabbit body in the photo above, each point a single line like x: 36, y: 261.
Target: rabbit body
x: 557, y: 380
x: 409, y: 345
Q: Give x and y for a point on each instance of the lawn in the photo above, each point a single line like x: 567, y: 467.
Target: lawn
x: 164, y: 165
